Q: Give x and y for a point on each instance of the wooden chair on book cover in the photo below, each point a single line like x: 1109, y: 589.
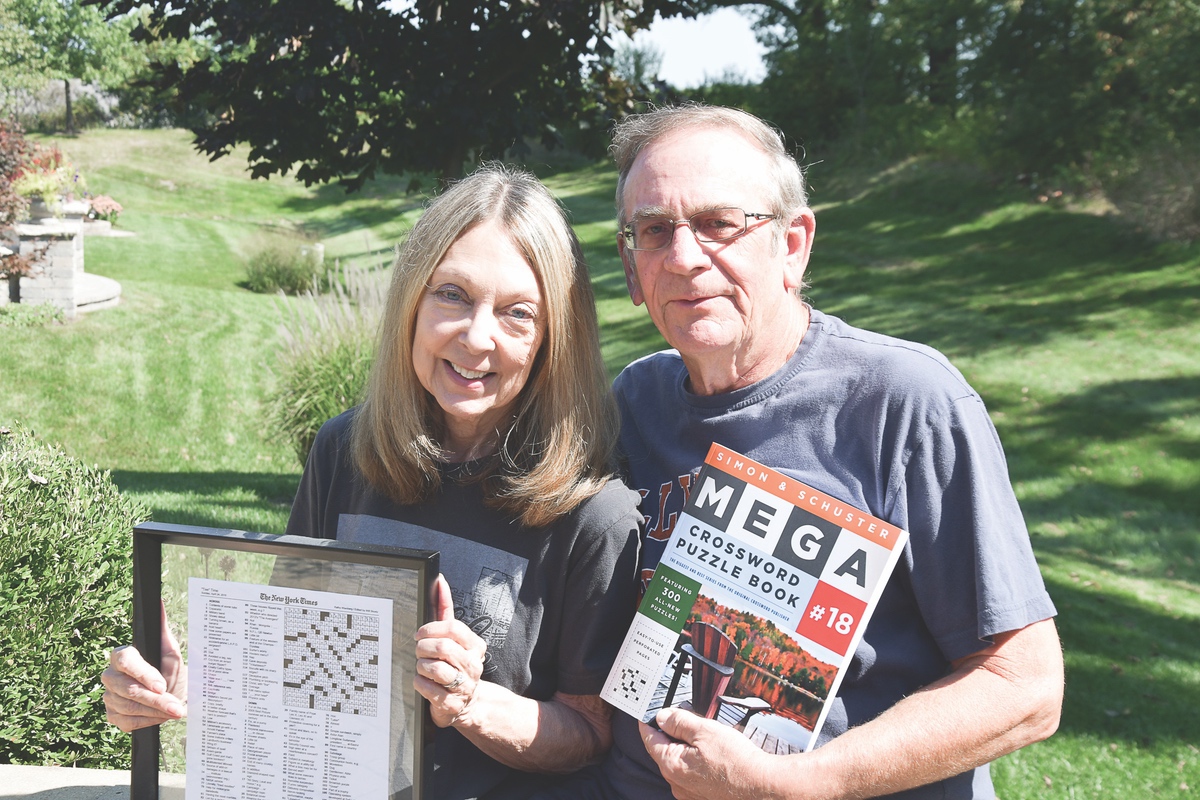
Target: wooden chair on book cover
x: 737, y: 711
x: 712, y: 654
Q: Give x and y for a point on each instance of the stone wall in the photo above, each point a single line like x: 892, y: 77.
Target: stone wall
x: 55, y: 273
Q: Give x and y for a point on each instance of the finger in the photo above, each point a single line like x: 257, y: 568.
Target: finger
x: 129, y: 715
x: 443, y: 603
x: 161, y: 707
x: 442, y: 648
x: 680, y: 725
x: 455, y: 632
x: 451, y: 644
x: 652, y: 737
x: 129, y: 724
x: 170, y: 647
x: 446, y: 706
x: 128, y: 661
x: 436, y: 670
x: 431, y: 690
x: 127, y: 696
x: 660, y: 747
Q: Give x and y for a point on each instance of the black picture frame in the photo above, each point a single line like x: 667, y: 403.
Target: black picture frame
x: 149, y: 539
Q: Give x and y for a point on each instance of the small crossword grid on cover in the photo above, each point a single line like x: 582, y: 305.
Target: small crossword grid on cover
x: 754, y: 612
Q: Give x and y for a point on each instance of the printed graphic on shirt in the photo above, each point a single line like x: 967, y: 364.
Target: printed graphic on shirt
x: 662, y: 515
x: 484, y: 581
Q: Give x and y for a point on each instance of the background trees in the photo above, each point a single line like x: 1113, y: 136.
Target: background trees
x: 1096, y: 94
x: 365, y: 86
x: 1099, y: 94
x: 61, y: 40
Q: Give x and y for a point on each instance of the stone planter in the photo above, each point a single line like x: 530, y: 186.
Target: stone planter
x: 74, y: 210
x: 40, y: 210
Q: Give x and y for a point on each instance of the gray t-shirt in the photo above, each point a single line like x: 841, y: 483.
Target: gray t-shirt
x: 552, y: 603
x: 890, y: 427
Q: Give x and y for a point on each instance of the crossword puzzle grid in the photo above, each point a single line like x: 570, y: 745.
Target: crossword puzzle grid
x: 331, y: 661
x: 643, y: 658
x: 631, y: 683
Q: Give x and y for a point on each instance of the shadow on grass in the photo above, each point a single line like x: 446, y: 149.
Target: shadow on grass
x: 1135, y: 492
x: 1112, y: 414
x: 1130, y: 667
x: 213, y: 499
x: 928, y: 259
x: 332, y: 212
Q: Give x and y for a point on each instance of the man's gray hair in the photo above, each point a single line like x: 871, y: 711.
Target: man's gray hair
x: 636, y: 132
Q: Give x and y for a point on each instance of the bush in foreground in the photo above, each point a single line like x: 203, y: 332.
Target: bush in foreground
x: 65, y: 591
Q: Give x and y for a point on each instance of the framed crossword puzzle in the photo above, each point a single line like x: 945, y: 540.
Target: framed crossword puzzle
x: 298, y: 664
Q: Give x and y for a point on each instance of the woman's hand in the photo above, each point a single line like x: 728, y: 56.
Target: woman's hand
x: 449, y: 661
x: 136, y: 694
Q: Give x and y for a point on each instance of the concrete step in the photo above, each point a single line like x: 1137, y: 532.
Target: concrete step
x: 93, y: 292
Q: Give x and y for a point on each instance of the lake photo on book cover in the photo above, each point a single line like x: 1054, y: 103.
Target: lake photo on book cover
x: 776, y: 685
x: 785, y: 700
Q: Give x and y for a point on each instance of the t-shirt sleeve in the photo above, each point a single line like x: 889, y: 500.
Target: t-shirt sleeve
x: 973, y: 569
x: 309, y: 509
x: 601, y: 595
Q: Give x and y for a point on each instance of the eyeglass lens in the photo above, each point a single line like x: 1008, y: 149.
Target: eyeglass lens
x: 714, y: 225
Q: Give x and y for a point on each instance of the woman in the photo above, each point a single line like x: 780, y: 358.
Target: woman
x: 486, y: 434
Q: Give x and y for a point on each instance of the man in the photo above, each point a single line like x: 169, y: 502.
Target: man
x: 961, y: 662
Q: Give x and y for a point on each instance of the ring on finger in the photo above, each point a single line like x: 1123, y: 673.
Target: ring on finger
x: 459, y: 678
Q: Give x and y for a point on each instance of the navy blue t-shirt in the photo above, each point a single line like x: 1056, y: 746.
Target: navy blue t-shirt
x: 887, y: 426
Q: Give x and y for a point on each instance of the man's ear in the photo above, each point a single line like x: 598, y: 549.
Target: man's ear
x: 631, y: 278
x: 798, y: 240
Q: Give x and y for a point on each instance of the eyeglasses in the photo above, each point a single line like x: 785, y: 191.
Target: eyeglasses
x: 714, y: 225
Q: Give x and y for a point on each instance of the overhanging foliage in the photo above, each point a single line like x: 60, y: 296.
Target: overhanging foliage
x: 342, y: 89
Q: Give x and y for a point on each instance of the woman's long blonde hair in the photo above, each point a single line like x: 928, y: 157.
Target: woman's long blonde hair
x: 557, y: 450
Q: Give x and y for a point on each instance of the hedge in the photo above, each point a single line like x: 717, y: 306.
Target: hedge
x: 65, y: 592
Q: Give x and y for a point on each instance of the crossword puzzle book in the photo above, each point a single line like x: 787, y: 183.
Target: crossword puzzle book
x: 757, y: 606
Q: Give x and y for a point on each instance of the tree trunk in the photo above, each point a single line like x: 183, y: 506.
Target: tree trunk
x: 453, y: 163
x: 70, y: 116
x: 943, y: 80
x: 14, y: 288
x: 942, y: 51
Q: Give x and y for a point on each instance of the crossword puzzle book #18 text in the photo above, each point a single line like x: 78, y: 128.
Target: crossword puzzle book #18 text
x: 757, y: 606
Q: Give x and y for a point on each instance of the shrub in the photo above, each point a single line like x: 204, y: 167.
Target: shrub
x: 86, y: 112
x: 65, y: 591
x: 1159, y: 191
x: 15, y: 150
x: 23, y: 315
x: 329, y: 346
x: 49, y: 174
x: 282, y: 265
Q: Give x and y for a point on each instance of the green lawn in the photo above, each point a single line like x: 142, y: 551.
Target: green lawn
x: 1082, y: 336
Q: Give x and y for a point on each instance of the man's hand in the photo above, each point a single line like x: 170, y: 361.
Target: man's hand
x: 1002, y: 698
x: 703, y: 759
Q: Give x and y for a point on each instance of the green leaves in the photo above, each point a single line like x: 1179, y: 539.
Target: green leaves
x: 65, y: 589
x: 395, y: 87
